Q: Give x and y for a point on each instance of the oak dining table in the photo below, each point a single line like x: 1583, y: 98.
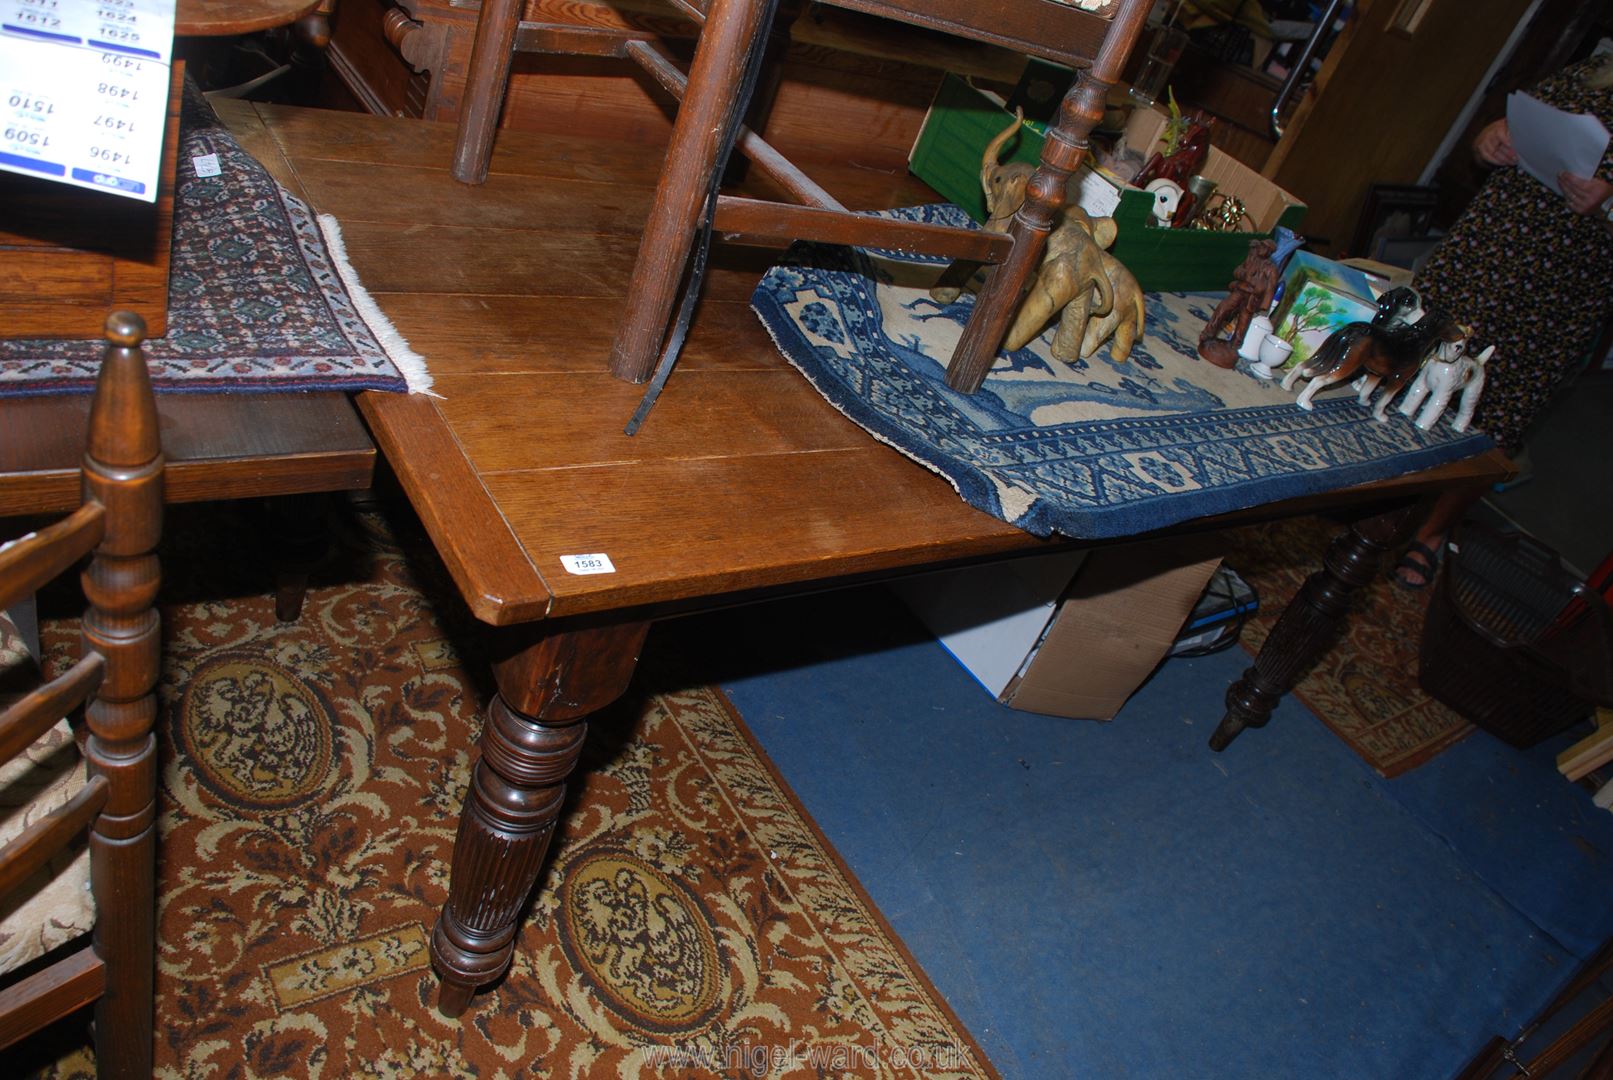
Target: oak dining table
x: 565, y: 537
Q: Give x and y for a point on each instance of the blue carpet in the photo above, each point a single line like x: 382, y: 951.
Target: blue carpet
x: 1537, y: 840
x: 1115, y: 900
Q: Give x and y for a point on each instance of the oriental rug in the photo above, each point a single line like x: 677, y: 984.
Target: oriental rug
x: 1364, y: 689
x: 1094, y: 449
x: 261, y: 298
x: 693, y: 922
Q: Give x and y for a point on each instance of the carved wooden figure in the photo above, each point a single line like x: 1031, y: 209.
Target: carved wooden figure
x: 1073, y: 285
x: 1250, y: 293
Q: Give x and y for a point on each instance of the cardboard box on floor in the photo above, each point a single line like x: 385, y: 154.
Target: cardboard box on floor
x: 1070, y: 633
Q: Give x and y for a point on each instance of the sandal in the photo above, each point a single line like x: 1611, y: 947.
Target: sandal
x: 1417, y: 567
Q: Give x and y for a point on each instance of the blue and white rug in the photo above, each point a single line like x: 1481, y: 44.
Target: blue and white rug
x: 1091, y: 450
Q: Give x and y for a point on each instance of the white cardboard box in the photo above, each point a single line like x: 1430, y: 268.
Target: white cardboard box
x: 1071, y: 633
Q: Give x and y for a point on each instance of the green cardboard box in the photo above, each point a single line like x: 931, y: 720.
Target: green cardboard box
x: 962, y: 119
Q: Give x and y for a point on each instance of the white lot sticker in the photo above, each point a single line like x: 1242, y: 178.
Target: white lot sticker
x: 587, y: 564
x: 206, y: 165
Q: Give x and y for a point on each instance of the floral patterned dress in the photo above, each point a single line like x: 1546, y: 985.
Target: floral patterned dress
x: 1529, y: 275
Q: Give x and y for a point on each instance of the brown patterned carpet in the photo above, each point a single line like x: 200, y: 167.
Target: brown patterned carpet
x: 1366, y: 688
x: 694, y: 922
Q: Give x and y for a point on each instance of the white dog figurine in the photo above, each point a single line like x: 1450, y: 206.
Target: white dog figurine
x: 1445, y: 373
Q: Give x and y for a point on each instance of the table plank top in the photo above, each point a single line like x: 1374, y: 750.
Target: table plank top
x: 1064, y: 31
x: 1052, y: 29
x: 743, y: 479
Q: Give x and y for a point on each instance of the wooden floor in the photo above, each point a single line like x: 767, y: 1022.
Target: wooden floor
x: 742, y: 480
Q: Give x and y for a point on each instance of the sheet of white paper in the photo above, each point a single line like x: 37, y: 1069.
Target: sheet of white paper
x: 1097, y: 196
x: 84, y: 91
x: 1550, y: 141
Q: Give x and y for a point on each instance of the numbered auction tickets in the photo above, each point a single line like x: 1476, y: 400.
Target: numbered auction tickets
x: 84, y: 91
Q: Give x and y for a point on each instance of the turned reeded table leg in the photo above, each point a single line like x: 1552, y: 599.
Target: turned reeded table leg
x: 1313, y: 619
x: 530, y: 744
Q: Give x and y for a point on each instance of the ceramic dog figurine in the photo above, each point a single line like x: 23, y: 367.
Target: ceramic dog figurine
x: 1390, y: 349
x: 1451, y: 370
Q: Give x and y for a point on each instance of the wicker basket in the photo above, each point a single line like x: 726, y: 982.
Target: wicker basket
x: 1513, y: 641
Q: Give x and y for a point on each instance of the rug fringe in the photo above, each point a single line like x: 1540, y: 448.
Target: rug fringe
x: 409, y: 362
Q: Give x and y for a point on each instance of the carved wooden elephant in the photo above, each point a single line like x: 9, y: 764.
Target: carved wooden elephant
x: 1071, y: 278
x: 1125, y: 320
x: 1004, y: 187
x: 1072, y: 285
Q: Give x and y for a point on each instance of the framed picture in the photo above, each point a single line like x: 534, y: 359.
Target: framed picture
x: 1393, y: 213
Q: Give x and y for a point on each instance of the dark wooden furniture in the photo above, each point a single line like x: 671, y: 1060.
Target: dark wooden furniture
x: 1543, y: 1050
x: 219, y: 446
x: 120, y: 521
x: 221, y: 18
x: 850, y: 85
x: 714, y: 98
x: 746, y: 484
x: 286, y: 448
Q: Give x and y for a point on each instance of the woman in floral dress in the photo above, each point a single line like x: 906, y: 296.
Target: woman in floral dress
x: 1530, y: 271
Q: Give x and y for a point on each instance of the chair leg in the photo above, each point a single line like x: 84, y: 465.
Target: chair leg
x: 732, y: 26
x: 761, y: 102
x: 123, y: 470
x: 1062, y: 153
x: 124, y: 872
x: 123, y: 839
x: 485, y: 84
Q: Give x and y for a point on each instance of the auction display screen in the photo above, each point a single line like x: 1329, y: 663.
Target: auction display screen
x: 84, y: 91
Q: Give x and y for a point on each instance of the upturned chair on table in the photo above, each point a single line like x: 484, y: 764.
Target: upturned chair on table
x: 54, y: 885
x: 1096, y: 35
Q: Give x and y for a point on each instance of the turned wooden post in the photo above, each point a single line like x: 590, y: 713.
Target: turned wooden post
x: 1313, y: 619
x: 123, y: 471
x: 732, y: 26
x: 1063, y: 152
x: 530, y: 744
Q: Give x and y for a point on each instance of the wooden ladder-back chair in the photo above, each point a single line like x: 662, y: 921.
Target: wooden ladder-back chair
x: 47, y: 797
x: 1094, y: 35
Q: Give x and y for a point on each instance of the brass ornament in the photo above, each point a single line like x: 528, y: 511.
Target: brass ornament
x: 1222, y: 213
